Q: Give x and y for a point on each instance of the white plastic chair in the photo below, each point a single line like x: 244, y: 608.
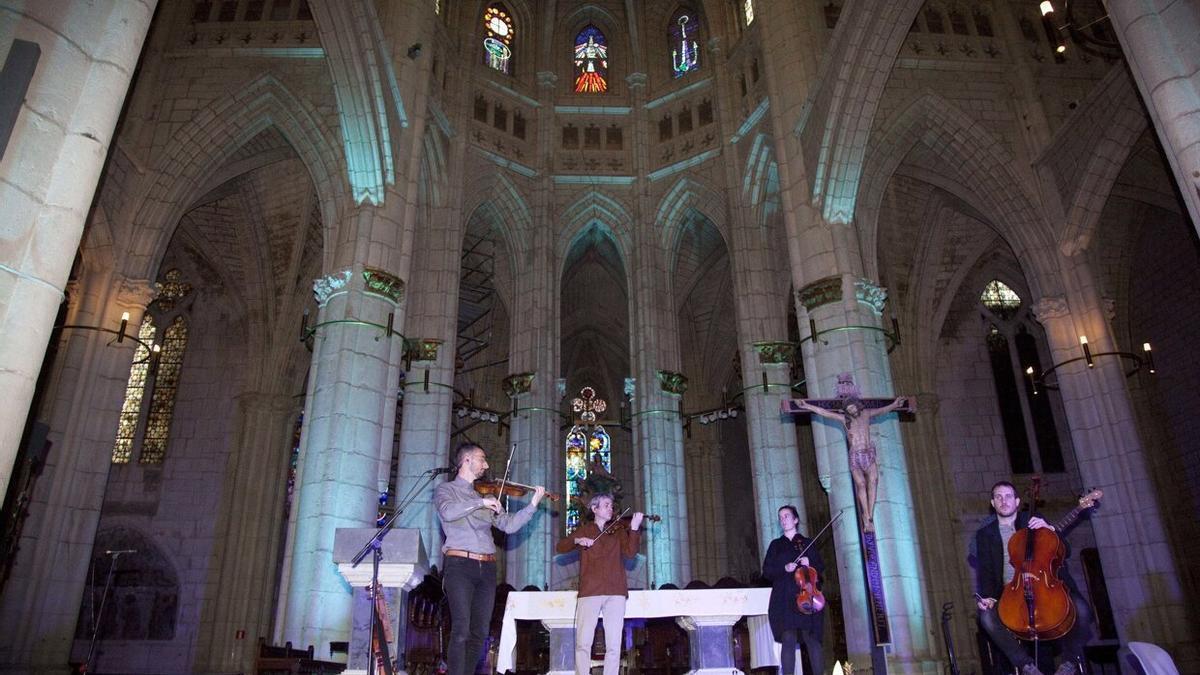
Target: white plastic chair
x: 1152, y: 659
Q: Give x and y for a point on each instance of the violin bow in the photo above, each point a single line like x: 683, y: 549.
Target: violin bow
x: 612, y: 524
x: 814, y: 539
x: 507, y: 467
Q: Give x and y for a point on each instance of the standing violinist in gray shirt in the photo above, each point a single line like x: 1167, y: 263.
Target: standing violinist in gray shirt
x: 469, y: 554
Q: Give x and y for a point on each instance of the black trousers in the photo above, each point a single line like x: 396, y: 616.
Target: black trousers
x: 1070, y: 645
x: 470, y: 587
x: 812, y: 647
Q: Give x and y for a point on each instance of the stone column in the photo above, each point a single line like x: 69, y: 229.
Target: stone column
x: 534, y: 432
x: 706, y: 495
x: 658, y: 443
x: 774, y: 456
x: 1140, y: 572
x: 851, y: 307
x: 49, y: 172
x: 345, y: 452
x: 425, y: 434
x: 249, y: 526
x: 84, y: 395
x: 1160, y: 45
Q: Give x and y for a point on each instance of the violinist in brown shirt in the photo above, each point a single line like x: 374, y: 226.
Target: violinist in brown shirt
x: 602, y: 587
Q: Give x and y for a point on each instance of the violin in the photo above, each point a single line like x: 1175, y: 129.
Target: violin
x: 492, y: 488
x: 623, y: 522
x: 809, y: 598
x: 1036, y: 605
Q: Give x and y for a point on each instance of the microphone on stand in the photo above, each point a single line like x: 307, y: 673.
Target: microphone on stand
x: 120, y: 551
x: 444, y: 469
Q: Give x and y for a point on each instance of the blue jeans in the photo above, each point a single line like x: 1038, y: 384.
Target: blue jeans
x: 470, y: 587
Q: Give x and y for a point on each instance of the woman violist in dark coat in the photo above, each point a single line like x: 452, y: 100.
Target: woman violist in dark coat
x: 788, y: 624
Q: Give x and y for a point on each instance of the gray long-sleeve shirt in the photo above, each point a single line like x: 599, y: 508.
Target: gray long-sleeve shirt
x: 467, y: 523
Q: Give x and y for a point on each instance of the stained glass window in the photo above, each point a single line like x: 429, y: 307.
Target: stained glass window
x: 685, y: 51
x: 748, y: 11
x: 134, y: 390
x: 588, y: 449
x: 498, y: 35
x: 1000, y: 299
x: 162, y: 401
x: 591, y: 61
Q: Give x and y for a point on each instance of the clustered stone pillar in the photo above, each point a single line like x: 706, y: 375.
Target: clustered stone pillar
x: 658, y: 441
x: 345, y: 452
x: 1160, y: 45
x: 41, y: 598
x: 533, y: 437
x: 49, y: 172
x: 847, y: 314
x: 1139, y: 570
x: 774, y: 456
x: 705, y: 487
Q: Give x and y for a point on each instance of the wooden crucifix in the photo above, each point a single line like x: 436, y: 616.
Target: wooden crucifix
x: 854, y: 413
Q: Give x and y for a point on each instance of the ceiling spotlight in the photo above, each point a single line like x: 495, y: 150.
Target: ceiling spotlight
x: 474, y: 414
x: 724, y: 414
x: 1060, y: 48
x: 1046, y: 7
x: 733, y: 412
x: 461, y: 412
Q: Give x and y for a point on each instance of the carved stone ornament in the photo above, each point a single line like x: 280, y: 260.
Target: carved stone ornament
x: 1110, y: 308
x: 330, y: 285
x: 1050, y: 308
x: 423, y: 349
x: 871, y: 294
x: 547, y: 79
x: 672, y: 382
x: 636, y: 80
x: 775, y: 352
x: 518, y: 383
x: 378, y: 282
x: 136, y: 293
x: 560, y: 386
x: 820, y: 292
x: 630, y: 387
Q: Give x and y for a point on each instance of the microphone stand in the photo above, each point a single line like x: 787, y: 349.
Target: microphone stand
x: 375, y: 544
x: 87, y: 665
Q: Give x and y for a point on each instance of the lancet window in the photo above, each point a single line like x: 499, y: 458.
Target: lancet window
x: 144, y: 426
x: 588, y: 449
x: 683, y: 37
x: 591, y: 61
x: 498, y: 34
x: 1026, y: 412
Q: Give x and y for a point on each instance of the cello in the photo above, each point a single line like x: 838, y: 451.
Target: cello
x: 1036, y: 604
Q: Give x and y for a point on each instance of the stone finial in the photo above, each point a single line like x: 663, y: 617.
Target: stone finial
x: 383, y: 284
x: 330, y: 285
x: 518, y: 383
x: 1053, y: 307
x: 870, y: 294
x: 820, y: 292
x: 672, y: 382
x: 775, y: 352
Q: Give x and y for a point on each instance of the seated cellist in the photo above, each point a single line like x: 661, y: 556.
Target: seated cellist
x: 994, y: 570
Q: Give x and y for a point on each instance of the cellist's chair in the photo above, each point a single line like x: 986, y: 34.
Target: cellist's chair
x: 1152, y: 659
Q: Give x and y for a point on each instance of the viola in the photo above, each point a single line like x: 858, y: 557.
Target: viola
x: 492, y: 488
x: 1036, y: 604
x: 810, y: 599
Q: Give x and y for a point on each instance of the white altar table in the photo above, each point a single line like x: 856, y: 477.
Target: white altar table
x: 696, y: 609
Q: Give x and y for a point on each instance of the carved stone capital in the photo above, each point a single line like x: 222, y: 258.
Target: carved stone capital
x: 330, y: 285
x: 775, y: 352
x: 870, y: 294
x: 672, y: 382
x: 820, y: 292
x: 547, y: 79
x: 518, y: 383
x: 636, y: 80
x: 136, y: 293
x: 1052, y: 307
x: 422, y: 349
x: 383, y: 284
x: 714, y: 46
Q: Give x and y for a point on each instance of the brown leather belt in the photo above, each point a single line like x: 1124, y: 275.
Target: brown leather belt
x: 458, y: 553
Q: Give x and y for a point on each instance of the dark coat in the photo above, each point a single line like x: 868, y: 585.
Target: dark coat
x: 989, y: 554
x: 782, y: 611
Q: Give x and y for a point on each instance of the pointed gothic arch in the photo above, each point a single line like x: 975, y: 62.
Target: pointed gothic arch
x: 203, y: 145
x: 983, y: 178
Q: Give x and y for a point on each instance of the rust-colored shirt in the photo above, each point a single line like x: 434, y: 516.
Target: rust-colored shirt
x: 601, y: 569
